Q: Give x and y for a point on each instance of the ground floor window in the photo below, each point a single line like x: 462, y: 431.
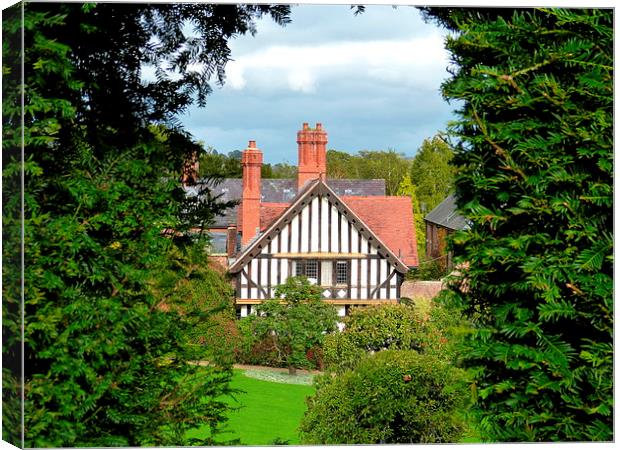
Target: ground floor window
x: 325, y: 273
x: 342, y: 272
x: 308, y: 268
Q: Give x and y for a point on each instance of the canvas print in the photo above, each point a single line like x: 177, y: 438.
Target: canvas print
x: 269, y: 224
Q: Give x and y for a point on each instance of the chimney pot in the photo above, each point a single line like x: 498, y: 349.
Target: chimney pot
x: 251, y: 162
x: 312, y: 154
x: 191, y: 168
x: 231, y: 240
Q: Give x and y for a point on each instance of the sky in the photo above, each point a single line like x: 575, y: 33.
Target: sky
x: 373, y: 81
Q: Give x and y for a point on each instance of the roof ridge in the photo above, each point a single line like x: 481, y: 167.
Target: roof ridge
x: 375, y: 196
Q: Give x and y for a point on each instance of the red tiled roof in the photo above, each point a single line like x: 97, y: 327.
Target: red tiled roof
x: 397, y: 231
x: 391, y: 219
x: 269, y: 212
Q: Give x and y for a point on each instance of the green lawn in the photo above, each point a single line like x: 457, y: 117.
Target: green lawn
x: 268, y: 411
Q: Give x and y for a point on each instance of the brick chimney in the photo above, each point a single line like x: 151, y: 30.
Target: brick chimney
x: 312, y: 145
x: 190, y: 170
x: 231, y: 240
x: 251, y: 162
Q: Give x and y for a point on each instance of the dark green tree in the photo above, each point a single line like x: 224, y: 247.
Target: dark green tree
x: 283, y: 170
x: 297, y: 318
x: 187, y: 282
x: 214, y: 164
x: 534, y: 150
x: 386, y: 164
x: 341, y: 165
x: 279, y: 170
x: 106, y: 364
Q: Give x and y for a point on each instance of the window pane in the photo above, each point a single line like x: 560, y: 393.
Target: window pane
x: 342, y: 272
x: 312, y: 270
x: 326, y: 273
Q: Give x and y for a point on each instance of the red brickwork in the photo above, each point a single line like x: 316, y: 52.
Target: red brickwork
x: 251, y: 161
x: 231, y: 241
x: 312, y: 154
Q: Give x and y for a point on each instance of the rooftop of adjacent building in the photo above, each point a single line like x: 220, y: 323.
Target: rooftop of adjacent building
x: 446, y: 215
x: 282, y: 190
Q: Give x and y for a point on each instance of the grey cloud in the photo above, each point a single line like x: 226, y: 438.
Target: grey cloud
x: 317, y: 24
x: 359, y: 112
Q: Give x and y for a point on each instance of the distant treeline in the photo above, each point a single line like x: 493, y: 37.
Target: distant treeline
x: 229, y: 166
x: 429, y: 170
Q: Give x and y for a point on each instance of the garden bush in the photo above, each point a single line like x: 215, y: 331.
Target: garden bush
x: 429, y: 270
x: 394, y: 396
x: 263, y: 350
x: 434, y: 330
x: 256, y: 350
x: 288, y: 331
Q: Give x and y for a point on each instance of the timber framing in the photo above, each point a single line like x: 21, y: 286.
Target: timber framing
x: 313, y: 189
x: 317, y: 255
x: 339, y: 302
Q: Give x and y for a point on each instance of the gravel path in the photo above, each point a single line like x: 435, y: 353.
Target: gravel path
x: 275, y: 369
x: 277, y: 374
x: 273, y: 374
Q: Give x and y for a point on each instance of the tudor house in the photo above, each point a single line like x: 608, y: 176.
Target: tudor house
x: 346, y: 236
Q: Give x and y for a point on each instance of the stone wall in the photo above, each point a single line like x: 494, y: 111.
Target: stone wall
x: 421, y: 289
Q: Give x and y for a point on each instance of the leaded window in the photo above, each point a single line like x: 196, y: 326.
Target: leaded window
x: 308, y: 268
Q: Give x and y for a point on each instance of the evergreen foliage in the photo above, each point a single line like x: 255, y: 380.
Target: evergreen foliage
x: 535, y: 159
x: 106, y: 364
x: 187, y: 282
x: 226, y: 166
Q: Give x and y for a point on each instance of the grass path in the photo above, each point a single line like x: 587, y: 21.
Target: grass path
x: 267, y: 411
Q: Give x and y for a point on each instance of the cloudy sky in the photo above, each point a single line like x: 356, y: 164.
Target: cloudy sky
x: 372, y: 80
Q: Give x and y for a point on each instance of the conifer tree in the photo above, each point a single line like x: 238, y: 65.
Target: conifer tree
x: 106, y: 364
x: 535, y: 158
